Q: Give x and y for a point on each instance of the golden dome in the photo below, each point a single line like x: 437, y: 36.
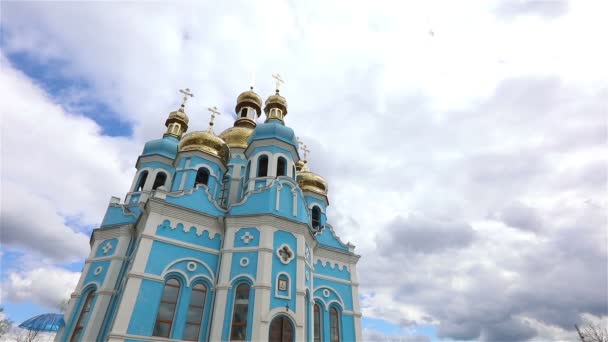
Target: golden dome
x: 276, y: 101
x: 236, y: 136
x: 309, y: 181
x: 301, y: 165
x: 251, y: 99
x: 178, y: 116
x: 207, y: 142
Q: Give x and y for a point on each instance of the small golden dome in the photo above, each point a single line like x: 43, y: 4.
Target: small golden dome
x: 207, y: 142
x: 276, y: 101
x: 251, y: 99
x: 236, y: 136
x: 309, y: 181
x: 301, y: 165
x: 178, y: 116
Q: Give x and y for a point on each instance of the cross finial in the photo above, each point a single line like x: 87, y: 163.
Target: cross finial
x: 303, y: 148
x: 214, y: 111
x: 278, y: 80
x: 186, y: 93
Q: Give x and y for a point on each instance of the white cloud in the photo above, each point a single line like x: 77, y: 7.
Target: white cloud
x: 52, y: 166
x: 44, y: 285
x: 457, y: 126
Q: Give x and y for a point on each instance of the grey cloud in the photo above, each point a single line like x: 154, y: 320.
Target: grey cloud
x: 378, y: 336
x: 521, y: 216
x: 544, y: 8
x: 423, y: 235
x: 475, y: 295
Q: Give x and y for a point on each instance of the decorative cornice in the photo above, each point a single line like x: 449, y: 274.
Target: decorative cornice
x: 154, y: 158
x: 181, y: 213
x: 322, y: 251
x: 104, y: 258
x: 181, y: 243
x: 111, y: 232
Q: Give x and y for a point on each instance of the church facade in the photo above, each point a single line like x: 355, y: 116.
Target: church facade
x: 220, y: 238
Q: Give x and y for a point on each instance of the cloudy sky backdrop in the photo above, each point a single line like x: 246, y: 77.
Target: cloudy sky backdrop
x: 464, y: 143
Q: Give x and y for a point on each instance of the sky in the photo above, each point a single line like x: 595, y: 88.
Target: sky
x: 464, y: 143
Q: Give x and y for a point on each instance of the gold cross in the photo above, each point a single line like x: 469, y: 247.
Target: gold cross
x: 214, y: 111
x: 305, y: 151
x: 186, y: 93
x: 303, y: 147
x: 278, y: 80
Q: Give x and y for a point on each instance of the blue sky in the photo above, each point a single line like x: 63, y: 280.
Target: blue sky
x: 464, y: 143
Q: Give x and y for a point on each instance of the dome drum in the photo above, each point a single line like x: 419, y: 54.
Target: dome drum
x: 180, y: 117
x: 249, y: 99
x: 276, y: 101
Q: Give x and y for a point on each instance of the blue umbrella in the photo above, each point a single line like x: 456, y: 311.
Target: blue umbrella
x: 50, y: 322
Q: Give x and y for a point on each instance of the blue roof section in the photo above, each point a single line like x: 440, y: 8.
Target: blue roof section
x: 328, y: 237
x: 274, y: 129
x: 120, y: 214
x: 167, y: 147
x: 50, y: 322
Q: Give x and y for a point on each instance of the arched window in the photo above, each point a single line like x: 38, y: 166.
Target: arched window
x: 275, y: 113
x: 142, y: 181
x: 281, y: 167
x: 239, y: 313
x: 334, y: 325
x: 281, y: 330
x: 316, y: 217
x: 160, y: 180
x: 196, y: 309
x: 166, y: 311
x: 202, y: 176
x: 263, y: 166
x: 247, y: 170
x: 317, y: 323
x: 244, y: 112
x: 83, y: 317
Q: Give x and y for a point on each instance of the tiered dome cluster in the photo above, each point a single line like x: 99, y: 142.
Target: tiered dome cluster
x: 244, y: 131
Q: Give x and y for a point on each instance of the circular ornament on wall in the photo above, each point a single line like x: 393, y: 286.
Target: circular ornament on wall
x: 191, y: 266
x: 325, y: 293
x: 98, y: 270
x: 244, y: 262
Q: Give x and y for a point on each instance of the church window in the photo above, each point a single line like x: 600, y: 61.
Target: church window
x: 317, y: 323
x: 275, y: 113
x: 224, y: 193
x: 142, y: 181
x: 247, y: 170
x: 202, y: 176
x: 244, y: 112
x: 166, y: 311
x: 281, y: 167
x: 160, y: 180
x: 316, y: 217
x: 263, y: 166
x: 240, y: 313
x: 334, y: 325
x: 281, y: 330
x: 84, y: 316
x: 195, y: 312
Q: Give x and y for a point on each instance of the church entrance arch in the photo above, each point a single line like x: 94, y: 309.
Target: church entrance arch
x: 281, y: 330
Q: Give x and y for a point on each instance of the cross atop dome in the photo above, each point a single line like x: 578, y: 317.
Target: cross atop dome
x: 279, y: 80
x: 187, y: 93
x: 214, y: 111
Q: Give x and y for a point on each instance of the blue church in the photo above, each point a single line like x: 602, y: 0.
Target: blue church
x: 220, y: 238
